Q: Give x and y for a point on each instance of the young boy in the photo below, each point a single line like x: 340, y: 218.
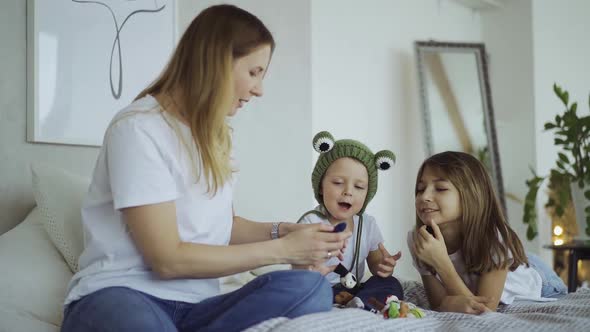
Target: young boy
x: 344, y: 181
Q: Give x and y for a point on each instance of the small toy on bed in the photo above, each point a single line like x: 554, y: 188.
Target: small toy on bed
x: 343, y: 298
x: 347, y: 279
x: 394, y: 308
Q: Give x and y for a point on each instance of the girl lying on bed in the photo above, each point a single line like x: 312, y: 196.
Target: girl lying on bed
x: 469, y: 258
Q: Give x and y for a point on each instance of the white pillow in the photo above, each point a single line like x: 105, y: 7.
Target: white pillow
x: 59, y: 196
x: 33, y: 280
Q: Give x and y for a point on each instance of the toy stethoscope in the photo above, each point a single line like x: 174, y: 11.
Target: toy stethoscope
x: 347, y: 278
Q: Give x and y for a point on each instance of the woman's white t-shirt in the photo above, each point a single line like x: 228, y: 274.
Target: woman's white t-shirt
x: 370, y: 239
x: 524, y: 283
x: 143, y: 160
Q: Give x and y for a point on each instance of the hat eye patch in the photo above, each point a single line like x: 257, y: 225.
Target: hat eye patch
x: 323, y: 144
x: 384, y: 160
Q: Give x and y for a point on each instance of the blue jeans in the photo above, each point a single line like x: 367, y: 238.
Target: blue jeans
x: 288, y: 293
x: 553, y: 286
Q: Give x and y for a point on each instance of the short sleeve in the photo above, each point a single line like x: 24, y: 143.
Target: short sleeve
x: 421, y: 269
x: 137, y: 170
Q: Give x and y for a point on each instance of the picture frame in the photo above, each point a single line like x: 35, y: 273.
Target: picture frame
x: 87, y: 60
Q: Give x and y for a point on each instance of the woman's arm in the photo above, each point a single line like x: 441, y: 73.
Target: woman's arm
x: 247, y: 231
x: 491, y: 285
x: 154, y: 231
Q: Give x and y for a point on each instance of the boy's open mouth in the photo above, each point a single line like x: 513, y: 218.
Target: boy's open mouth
x: 345, y: 205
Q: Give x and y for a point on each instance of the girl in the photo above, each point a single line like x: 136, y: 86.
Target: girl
x: 469, y: 258
x: 158, y: 221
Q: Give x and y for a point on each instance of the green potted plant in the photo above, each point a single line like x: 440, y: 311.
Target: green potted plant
x: 570, y: 178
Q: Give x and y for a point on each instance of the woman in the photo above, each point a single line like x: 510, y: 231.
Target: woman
x: 158, y: 220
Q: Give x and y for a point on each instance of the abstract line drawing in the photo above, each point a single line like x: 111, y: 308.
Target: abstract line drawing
x: 88, y: 59
x: 116, y: 47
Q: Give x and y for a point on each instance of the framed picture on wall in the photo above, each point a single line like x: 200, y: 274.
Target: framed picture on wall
x: 86, y: 60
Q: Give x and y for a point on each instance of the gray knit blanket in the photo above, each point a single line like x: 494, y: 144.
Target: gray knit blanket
x: 570, y: 313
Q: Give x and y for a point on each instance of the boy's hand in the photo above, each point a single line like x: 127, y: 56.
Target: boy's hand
x: 386, y: 266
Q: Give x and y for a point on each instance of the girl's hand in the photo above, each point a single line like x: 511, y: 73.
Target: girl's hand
x: 387, y: 263
x: 464, y: 304
x: 313, y: 245
x: 430, y: 249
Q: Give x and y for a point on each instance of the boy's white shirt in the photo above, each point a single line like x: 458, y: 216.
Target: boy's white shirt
x: 370, y: 239
x: 142, y: 162
x: 524, y: 283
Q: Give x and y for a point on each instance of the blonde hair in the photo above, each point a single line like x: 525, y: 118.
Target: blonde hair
x: 488, y: 240
x: 199, y: 73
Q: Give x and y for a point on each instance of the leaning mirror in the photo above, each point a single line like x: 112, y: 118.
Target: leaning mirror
x: 457, y: 103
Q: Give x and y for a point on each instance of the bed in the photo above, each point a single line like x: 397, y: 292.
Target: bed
x: 571, y: 313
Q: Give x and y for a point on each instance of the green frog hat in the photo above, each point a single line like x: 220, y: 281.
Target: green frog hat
x: 330, y: 150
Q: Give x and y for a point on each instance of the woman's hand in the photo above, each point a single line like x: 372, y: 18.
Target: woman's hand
x: 464, y: 304
x: 430, y: 248
x: 312, y: 245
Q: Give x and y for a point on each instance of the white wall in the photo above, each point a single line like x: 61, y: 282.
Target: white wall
x: 561, y: 53
x: 532, y: 45
x: 364, y: 87
x: 507, y: 33
x: 271, y: 134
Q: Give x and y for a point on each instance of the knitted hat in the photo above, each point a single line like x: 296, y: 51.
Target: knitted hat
x: 331, y: 150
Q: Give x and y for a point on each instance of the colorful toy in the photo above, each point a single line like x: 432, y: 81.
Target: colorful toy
x: 394, y: 308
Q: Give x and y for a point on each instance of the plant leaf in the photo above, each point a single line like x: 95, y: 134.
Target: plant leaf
x: 530, y: 233
x: 563, y: 157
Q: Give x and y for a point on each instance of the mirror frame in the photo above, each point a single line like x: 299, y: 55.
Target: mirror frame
x: 478, y: 49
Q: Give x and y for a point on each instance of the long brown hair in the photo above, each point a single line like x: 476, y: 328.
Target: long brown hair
x: 199, y: 74
x: 488, y: 240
